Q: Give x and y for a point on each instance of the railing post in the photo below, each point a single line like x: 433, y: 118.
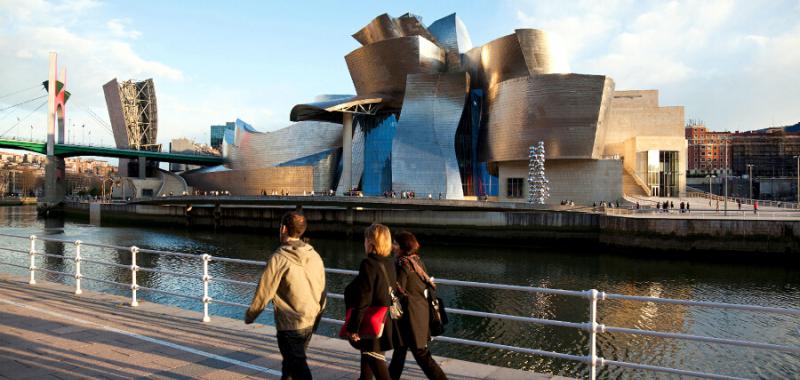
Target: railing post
x: 32, y: 254
x: 78, y: 267
x: 206, y: 279
x: 134, y: 269
x: 595, y: 363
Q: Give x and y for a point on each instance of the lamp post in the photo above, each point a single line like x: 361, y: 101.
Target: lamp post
x: 750, y: 170
x: 109, y: 187
x: 798, y: 179
x: 710, y: 176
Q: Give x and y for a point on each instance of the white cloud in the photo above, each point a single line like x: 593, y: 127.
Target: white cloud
x: 119, y: 28
x: 30, y: 29
x: 718, y: 58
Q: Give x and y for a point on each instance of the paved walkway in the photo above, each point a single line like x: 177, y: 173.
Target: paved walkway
x: 46, y: 332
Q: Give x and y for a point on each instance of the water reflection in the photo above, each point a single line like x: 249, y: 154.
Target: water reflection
x: 534, y: 266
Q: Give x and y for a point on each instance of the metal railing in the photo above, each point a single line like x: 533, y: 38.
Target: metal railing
x: 696, y: 193
x: 592, y: 326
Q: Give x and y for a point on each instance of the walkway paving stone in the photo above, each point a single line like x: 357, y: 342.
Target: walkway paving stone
x: 46, y: 332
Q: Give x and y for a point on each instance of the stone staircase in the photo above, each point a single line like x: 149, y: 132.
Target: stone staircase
x: 630, y: 186
x: 171, y: 184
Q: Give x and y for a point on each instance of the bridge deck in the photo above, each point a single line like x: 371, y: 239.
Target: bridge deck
x: 48, y: 333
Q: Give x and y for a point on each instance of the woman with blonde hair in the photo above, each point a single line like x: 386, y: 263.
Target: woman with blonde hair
x: 370, y: 288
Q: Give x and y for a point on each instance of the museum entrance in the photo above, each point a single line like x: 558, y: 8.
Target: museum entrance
x: 662, y: 171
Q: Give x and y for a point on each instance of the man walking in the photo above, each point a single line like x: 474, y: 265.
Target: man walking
x: 294, y: 280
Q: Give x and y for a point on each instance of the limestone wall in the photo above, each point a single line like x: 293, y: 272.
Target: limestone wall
x: 294, y: 179
x: 582, y: 181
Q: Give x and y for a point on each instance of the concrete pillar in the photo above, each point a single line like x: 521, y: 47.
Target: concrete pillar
x: 54, y: 184
x: 347, y: 152
x: 94, y: 213
x: 142, y: 167
x: 51, y: 106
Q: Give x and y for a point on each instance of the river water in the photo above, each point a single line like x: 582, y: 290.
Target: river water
x: 768, y: 283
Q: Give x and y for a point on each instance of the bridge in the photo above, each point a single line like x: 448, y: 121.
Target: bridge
x: 70, y: 150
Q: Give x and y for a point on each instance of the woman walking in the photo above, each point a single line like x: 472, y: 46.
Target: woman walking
x: 370, y: 288
x: 415, y: 332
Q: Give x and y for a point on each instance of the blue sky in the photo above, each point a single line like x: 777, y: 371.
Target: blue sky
x: 733, y: 64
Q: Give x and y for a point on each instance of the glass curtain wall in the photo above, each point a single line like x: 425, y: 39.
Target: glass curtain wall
x: 661, y: 170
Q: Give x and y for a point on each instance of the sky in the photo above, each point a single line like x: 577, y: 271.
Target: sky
x: 734, y: 64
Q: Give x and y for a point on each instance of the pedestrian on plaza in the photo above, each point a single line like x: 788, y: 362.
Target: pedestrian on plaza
x: 688, y: 208
x: 294, y: 280
x: 671, y: 205
x: 681, y: 206
x: 755, y: 207
x: 369, y: 288
x: 414, y: 325
x: 739, y: 203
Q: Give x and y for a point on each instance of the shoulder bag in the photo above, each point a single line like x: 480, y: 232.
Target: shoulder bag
x: 438, y: 316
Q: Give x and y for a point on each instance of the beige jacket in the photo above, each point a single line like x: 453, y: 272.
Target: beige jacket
x: 294, y: 280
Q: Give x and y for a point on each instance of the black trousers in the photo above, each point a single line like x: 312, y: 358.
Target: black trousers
x: 293, y: 345
x: 372, y: 366
x: 423, y: 358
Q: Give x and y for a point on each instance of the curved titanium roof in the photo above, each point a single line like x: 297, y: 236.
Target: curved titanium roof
x: 524, y: 53
x: 329, y: 107
x: 379, y: 70
x: 385, y: 27
x: 451, y: 33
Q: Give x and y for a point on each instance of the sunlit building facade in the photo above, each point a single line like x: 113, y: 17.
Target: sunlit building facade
x: 435, y: 115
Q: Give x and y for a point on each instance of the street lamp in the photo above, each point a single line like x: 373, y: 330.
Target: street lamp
x: 710, y: 176
x: 750, y: 169
x: 798, y: 179
x: 104, y: 186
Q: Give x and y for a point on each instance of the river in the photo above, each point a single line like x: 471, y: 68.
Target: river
x: 768, y: 282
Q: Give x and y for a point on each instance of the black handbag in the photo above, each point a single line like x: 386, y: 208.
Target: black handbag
x: 395, y: 309
x: 438, y: 315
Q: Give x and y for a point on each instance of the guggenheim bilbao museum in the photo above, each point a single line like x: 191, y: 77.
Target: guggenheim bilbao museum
x: 437, y: 116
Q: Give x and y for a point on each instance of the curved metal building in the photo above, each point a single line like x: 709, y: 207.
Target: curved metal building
x: 423, y: 149
x: 434, y: 115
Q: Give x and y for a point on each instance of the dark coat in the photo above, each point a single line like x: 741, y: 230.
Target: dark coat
x: 414, y: 326
x: 370, y: 288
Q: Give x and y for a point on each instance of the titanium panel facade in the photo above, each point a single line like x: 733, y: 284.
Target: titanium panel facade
x: 254, y: 150
x: 294, y: 179
x: 324, y: 166
x: 379, y: 70
x: 535, y: 46
x: 423, y: 150
x: 451, y: 33
x: 566, y: 111
x: 385, y: 27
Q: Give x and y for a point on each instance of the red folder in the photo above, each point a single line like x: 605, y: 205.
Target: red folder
x: 372, y: 324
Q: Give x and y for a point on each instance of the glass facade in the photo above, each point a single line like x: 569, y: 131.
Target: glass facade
x: 467, y: 144
x: 661, y: 170
x: 218, y: 133
x: 379, y: 131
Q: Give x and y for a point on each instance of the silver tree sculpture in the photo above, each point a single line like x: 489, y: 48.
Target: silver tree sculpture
x: 538, y: 185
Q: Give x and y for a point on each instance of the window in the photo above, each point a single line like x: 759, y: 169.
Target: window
x: 514, y: 187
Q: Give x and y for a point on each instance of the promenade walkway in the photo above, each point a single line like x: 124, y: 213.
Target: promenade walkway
x: 46, y: 332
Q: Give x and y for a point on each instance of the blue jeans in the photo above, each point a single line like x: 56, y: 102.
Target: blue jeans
x: 293, y: 345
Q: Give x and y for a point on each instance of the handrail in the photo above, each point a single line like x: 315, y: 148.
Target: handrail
x: 594, y: 361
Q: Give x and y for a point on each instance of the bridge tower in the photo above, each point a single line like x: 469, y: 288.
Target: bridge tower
x: 54, y: 184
